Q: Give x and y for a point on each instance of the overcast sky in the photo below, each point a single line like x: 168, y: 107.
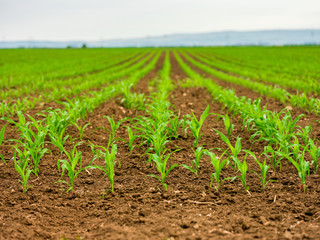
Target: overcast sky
x: 106, y: 19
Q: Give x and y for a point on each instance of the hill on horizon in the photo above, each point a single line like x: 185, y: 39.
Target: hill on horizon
x: 223, y: 38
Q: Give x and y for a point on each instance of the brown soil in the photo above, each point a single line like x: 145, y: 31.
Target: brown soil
x: 140, y: 209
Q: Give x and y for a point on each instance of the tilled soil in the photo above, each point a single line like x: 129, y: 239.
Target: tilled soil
x: 140, y: 208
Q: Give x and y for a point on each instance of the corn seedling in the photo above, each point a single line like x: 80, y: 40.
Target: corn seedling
x: 110, y: 163
x: 234, y: 150
x: 195, y: 125
x: 3, y: 129
x: 227, y: 123
x: 33, y: 141
x: 114, y: 126
x: 81, y: 129
x: 74, y: 160
x: 195, y: 163
x: 218, y: 165
x: 304, y: 133
x: 131, y: 100
x: 302, y: 166
x: 173, y: 126
x: 273, y: 157
x: 158, y: 140
x: 314, y: 152
x: 131, y: 137
x: 161, y: 164
x: 184, y: 124
x: 264, y: 170
x: 21, y: 165
x: 295, y: 148
x: 58, y: 141
x: 243, y: 168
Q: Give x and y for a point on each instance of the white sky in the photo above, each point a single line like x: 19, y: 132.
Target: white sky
x: 106, y: 19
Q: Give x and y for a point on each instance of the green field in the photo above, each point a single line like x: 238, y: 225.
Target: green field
x: 217, y: 122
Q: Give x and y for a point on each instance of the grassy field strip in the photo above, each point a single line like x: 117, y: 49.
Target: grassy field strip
x: 277, y: 129
x: 298, y: 63
x: 27, y: 70
x: 44, y: 85
x: 92, y: 81
x: 301, y: 101
x: 14, y: 74
x: 56, y: 122
x: 308, y: 87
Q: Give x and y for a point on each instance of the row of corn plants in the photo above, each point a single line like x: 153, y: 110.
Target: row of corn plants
x: 255, y: 75
x: 29, y: 148
x: 35, y: 67
x: 296, y: 100
x: 59, y: 89
x: 284, y: 137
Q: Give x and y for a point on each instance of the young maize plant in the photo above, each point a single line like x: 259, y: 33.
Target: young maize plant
x: 57, y: 122
x: 195, y: 163
x: 110, y: 162
x: 295, y: 148
x: 314, y: 152
x: 132, y: 138
x: 272, y: 156
x: 227, y: 123
x: 73, y: 161
x: 264, y: 170
x: 304, y: 134
x: 2, y: 131
x: 31, y: 140
x: 161, y: 164
x: 218, y: 165
x: 243, y: 168
x: 81, y: 129
x: 302, y: 166
x: 114, y: 126
x: 132, y: 100
x: 234, y: 150
x: 195, y: 125
x: 277, y: 130
x: 173, y: 126
x: 21, y: 165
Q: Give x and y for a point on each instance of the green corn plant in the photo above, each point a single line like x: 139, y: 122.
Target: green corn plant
x: 2, y: 131
x: 243, y: 168
x: 227, y: 123
x: 302, y: 166
x: 173, y: 126
x: 264, y: 170
x: 21, y: 165
x: 114, y: 126
x: 184, y: 124
x: 304, y: 133
x: 195, y: 125
x: 218, y: 165
x: 272, y: 156
x: 110, y: 163
x: 33, y: 141
x: 158, y: 140
x: 73, y: 161
x: 234, y: 150
x: 81, y: 129
x: 295, y: 149
x: 161, y: 164
x: 195, y: 163
x: 131, y: 137
x: 131, y: 100
x: 58, y: 141
x: 314, y: 152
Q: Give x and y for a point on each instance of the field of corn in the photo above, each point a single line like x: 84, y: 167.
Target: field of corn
x: 160, y: 143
